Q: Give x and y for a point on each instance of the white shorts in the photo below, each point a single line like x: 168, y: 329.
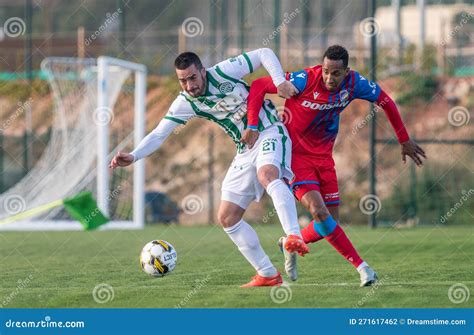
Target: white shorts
x: 240, y: 185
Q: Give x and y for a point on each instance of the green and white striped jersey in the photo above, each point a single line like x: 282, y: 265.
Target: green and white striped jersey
x: 225, y: 100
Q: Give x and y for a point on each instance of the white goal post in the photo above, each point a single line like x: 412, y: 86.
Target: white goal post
x: 103, y: 159
x: 78, y: 153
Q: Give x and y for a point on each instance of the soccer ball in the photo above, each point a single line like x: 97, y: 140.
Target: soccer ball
x: 158, y: 258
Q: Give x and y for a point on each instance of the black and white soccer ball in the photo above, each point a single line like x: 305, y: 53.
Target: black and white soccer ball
x: 158, y: 258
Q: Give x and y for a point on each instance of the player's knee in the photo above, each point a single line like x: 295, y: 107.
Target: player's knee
x: 326, y: 227
x: 319, y: 212
x: 228, y: 218
x: 266, y: 174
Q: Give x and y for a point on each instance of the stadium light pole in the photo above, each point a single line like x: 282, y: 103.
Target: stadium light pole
x: 372, y: 128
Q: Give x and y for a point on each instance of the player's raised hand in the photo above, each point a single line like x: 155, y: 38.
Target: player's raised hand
x: 286, y: 90
x: 121, y: 159
x: 250, y: 137
x: 414, y: 151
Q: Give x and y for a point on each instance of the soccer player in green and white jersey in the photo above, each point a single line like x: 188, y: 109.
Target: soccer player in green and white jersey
x: 219, y: 94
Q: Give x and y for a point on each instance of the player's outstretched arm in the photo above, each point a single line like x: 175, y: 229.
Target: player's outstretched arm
x: 270, y: 62
x: 121, y: 159
x: 147, y: 145
x: 179, y: 113
x: 414, y: 151
x: 408, y: 147
x: 239, y: 67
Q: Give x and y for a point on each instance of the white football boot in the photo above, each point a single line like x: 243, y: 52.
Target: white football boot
x: 290, y: 260
x: 368, y: 276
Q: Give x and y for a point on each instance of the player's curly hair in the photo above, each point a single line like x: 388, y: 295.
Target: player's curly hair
x: 186, y: 59
x: 337, y: 52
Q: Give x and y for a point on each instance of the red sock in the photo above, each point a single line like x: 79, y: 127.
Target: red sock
x: 343, y: 245
x: 309, y: 234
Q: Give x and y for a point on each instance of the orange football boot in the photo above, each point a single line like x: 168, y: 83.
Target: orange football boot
x: 258, y: 280
x: 295, y: 243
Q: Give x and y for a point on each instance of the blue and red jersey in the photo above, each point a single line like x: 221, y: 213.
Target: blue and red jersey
x: 312, y: 116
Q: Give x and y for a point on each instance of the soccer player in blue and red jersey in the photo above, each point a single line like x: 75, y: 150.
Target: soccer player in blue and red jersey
x: 321, y: 93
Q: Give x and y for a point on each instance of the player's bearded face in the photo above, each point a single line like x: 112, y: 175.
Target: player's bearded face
x: 334, y: 73
x: 192, y: 80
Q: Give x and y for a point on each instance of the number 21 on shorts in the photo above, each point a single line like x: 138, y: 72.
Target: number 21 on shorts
x: 269, y: 145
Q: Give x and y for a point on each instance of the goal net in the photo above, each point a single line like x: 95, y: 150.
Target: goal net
x: 93, y: 98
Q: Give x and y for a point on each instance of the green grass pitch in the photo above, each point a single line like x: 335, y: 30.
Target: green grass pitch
x: 416, y: 268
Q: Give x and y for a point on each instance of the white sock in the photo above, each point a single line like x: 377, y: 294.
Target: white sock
x: 285, y: 206
x: 361, y: 266
x: 246, y: 239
